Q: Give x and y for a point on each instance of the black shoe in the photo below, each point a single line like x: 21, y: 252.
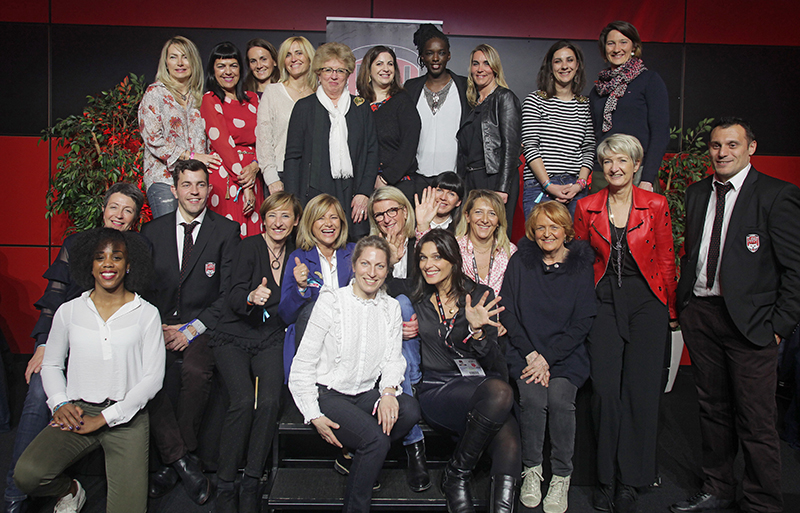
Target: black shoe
x: 162, y: 482
x: 196, y: 484
x: 701, y: 501
x: 602, y: 497
x: 625, y: 499
x: 504, y: 494
x: 342, y: 465
x: 455, y: 488
x: 417, y: 474
x: 227, y: 498
x: 16, y: 506
x: 250, y: 497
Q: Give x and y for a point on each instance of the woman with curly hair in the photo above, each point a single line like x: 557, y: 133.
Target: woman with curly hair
x: 113, y: 344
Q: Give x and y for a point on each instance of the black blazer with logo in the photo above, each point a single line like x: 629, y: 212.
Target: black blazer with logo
x: 208, y: 275
x: 760, y: 262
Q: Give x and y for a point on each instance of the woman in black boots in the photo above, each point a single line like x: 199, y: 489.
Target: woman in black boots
x: 462, y: 392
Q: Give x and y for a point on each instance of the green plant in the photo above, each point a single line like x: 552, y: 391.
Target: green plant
x: 103, y: 146
x: 681, y: 170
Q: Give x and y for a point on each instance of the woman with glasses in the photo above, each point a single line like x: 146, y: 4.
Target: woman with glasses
x: 331, y: 143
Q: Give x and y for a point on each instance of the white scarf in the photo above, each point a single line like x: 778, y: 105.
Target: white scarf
x: 341, y: 165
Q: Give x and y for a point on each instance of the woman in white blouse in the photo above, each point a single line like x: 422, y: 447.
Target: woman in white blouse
x: 353, y: 338
x: 277, y: 101
x: 114, y: 347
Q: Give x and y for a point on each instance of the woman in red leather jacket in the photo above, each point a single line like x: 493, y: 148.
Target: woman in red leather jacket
x: 634, y: 270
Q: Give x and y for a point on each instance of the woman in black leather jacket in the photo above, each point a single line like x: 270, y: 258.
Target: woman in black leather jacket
x: 489, y: 140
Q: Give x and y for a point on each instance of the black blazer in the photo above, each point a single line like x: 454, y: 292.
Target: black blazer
x: 415, y: 86
x: 307, y: 166
x: 760, y: 263
x: 209, y: 269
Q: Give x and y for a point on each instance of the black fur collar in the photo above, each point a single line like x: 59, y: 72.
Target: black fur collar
x: 579, y: 257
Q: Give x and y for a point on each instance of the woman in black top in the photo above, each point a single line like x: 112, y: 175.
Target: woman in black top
x: 461, y: 393
x: 397, y: 122
x: 248, y: 348
x: 489, y: 140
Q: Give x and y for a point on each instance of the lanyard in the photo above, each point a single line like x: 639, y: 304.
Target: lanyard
x: 475, y: 266
x: 448, y: 323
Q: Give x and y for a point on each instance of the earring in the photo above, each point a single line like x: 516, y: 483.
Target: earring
x: 128, y: 271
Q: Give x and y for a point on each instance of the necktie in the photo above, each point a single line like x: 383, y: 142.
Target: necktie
x: 188, y: 244
x: 716, y: 232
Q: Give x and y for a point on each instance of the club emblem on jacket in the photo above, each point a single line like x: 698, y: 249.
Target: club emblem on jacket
x: 211, y: 268
x: 753, y: 242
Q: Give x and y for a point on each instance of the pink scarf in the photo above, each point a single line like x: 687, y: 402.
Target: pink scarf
x: 614, y: 82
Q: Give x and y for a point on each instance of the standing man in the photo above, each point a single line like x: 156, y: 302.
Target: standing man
x: 738, y: 298
x: 192, y: 252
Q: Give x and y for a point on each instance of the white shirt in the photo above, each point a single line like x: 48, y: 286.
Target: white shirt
x: 444, y: 224
x: 349, y: 342
x: 120, y: 359
x: 400, y: 269
x: 700, y: 288
x: 438, y: 147
x: 330, y: 278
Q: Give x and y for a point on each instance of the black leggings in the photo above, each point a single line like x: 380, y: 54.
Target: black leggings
x: 446, y: 400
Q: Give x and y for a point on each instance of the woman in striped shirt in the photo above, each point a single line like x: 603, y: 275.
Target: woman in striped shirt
x: 557, y: 134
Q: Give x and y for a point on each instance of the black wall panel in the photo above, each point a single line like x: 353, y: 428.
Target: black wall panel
x: 23, y: 88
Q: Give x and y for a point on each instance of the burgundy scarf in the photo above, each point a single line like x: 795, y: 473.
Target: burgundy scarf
x: 613, y: 82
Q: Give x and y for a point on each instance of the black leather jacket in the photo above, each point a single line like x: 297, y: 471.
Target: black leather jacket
x: 501, y: 126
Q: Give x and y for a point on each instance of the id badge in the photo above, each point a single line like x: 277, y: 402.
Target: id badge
x: 469, y: 367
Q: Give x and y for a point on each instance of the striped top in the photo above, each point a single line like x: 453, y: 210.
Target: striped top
x: 558, y: 132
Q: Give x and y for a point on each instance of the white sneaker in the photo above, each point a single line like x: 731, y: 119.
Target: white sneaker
x: 70, y: 503
x: 557, y: 494
x: 531, y: 491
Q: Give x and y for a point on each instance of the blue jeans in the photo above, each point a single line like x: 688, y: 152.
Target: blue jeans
x: 35, y: 416
x: 412, y: 374
x: 161, y: 200
x: 533, y: 193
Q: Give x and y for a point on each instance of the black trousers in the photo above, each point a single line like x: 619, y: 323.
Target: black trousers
x: 359, y: 430
x: 736, y: 382
x: 174, y: 427
x: 626, y: 349
x: 249, y: 423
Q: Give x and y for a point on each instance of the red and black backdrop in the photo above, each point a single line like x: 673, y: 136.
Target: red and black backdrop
x: 733, y: 58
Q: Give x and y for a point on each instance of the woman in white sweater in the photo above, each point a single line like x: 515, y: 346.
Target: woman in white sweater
x: 353, y: 338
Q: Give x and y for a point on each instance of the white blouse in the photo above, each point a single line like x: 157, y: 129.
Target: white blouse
x: 120, y: 359
x: 274, y: 111
x: 348, y: 344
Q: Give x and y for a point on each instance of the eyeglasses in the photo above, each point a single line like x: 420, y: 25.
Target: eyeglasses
x: 331, y: 71
x: 391, y: 214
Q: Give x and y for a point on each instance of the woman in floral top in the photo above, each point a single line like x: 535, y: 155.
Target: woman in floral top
x: 170, y: 121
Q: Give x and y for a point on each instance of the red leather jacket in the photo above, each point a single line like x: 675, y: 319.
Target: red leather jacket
x: 649, y: 239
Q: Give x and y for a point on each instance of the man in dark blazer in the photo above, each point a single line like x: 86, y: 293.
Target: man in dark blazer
x: 738, y: 298
x: 192, y: 252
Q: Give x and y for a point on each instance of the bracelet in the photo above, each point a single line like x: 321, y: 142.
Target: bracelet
x: 479, y: 330
x: 188, y: 334
x: 59, y: 406
x: 547, y: 184
x: 581, y: 182
x: 191, y: 155
x: 248, y: 299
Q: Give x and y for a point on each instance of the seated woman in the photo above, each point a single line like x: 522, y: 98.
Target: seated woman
x: 397, y: 121
x: 321, y: 259
x: 262, y: 66
x: 248, y: 349
x: 438, y: 206
x: 357, y: 326
x: 390, y: 216
x: 331, y: 146
x: 549, y: 298
x: 229, y: 113
x: 121, y: 208
x: 462, y: 391
x: 114, y: 347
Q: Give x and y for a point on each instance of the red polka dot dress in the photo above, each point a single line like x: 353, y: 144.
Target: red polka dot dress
x: 231, y: 130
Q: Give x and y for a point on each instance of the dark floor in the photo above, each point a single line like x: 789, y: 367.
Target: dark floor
x: 679, y: 446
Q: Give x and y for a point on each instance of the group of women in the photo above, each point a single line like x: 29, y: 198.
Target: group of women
x: 466, y: 317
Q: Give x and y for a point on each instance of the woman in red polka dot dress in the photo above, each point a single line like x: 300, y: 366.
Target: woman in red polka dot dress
x: 229, y: 113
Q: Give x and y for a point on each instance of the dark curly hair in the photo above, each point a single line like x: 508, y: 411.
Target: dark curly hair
x: 141, y: 274
x: 447, y: 246
x: 425, y: 33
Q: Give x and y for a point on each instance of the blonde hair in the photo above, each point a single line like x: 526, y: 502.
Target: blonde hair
x: 308, y: 51
x: 500, y: 233
x: 387, y: 192
x: 497, y: 67
x: 621, y: 144
x: 195, y: 81
x: 555, y: 212
x: 330, y: 51
x: 314, y: 210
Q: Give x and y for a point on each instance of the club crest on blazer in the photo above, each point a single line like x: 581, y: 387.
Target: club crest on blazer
x: 753, y: 242
x: 211, y: 268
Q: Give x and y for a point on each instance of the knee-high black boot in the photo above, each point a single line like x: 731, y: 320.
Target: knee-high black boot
x: 504, y: 494
x: 455, y: 478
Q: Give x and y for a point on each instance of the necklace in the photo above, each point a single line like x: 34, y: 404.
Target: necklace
x: 435, y: 99
x: 298, y: 91
x: 475, y: 265
x: 275, y: 264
